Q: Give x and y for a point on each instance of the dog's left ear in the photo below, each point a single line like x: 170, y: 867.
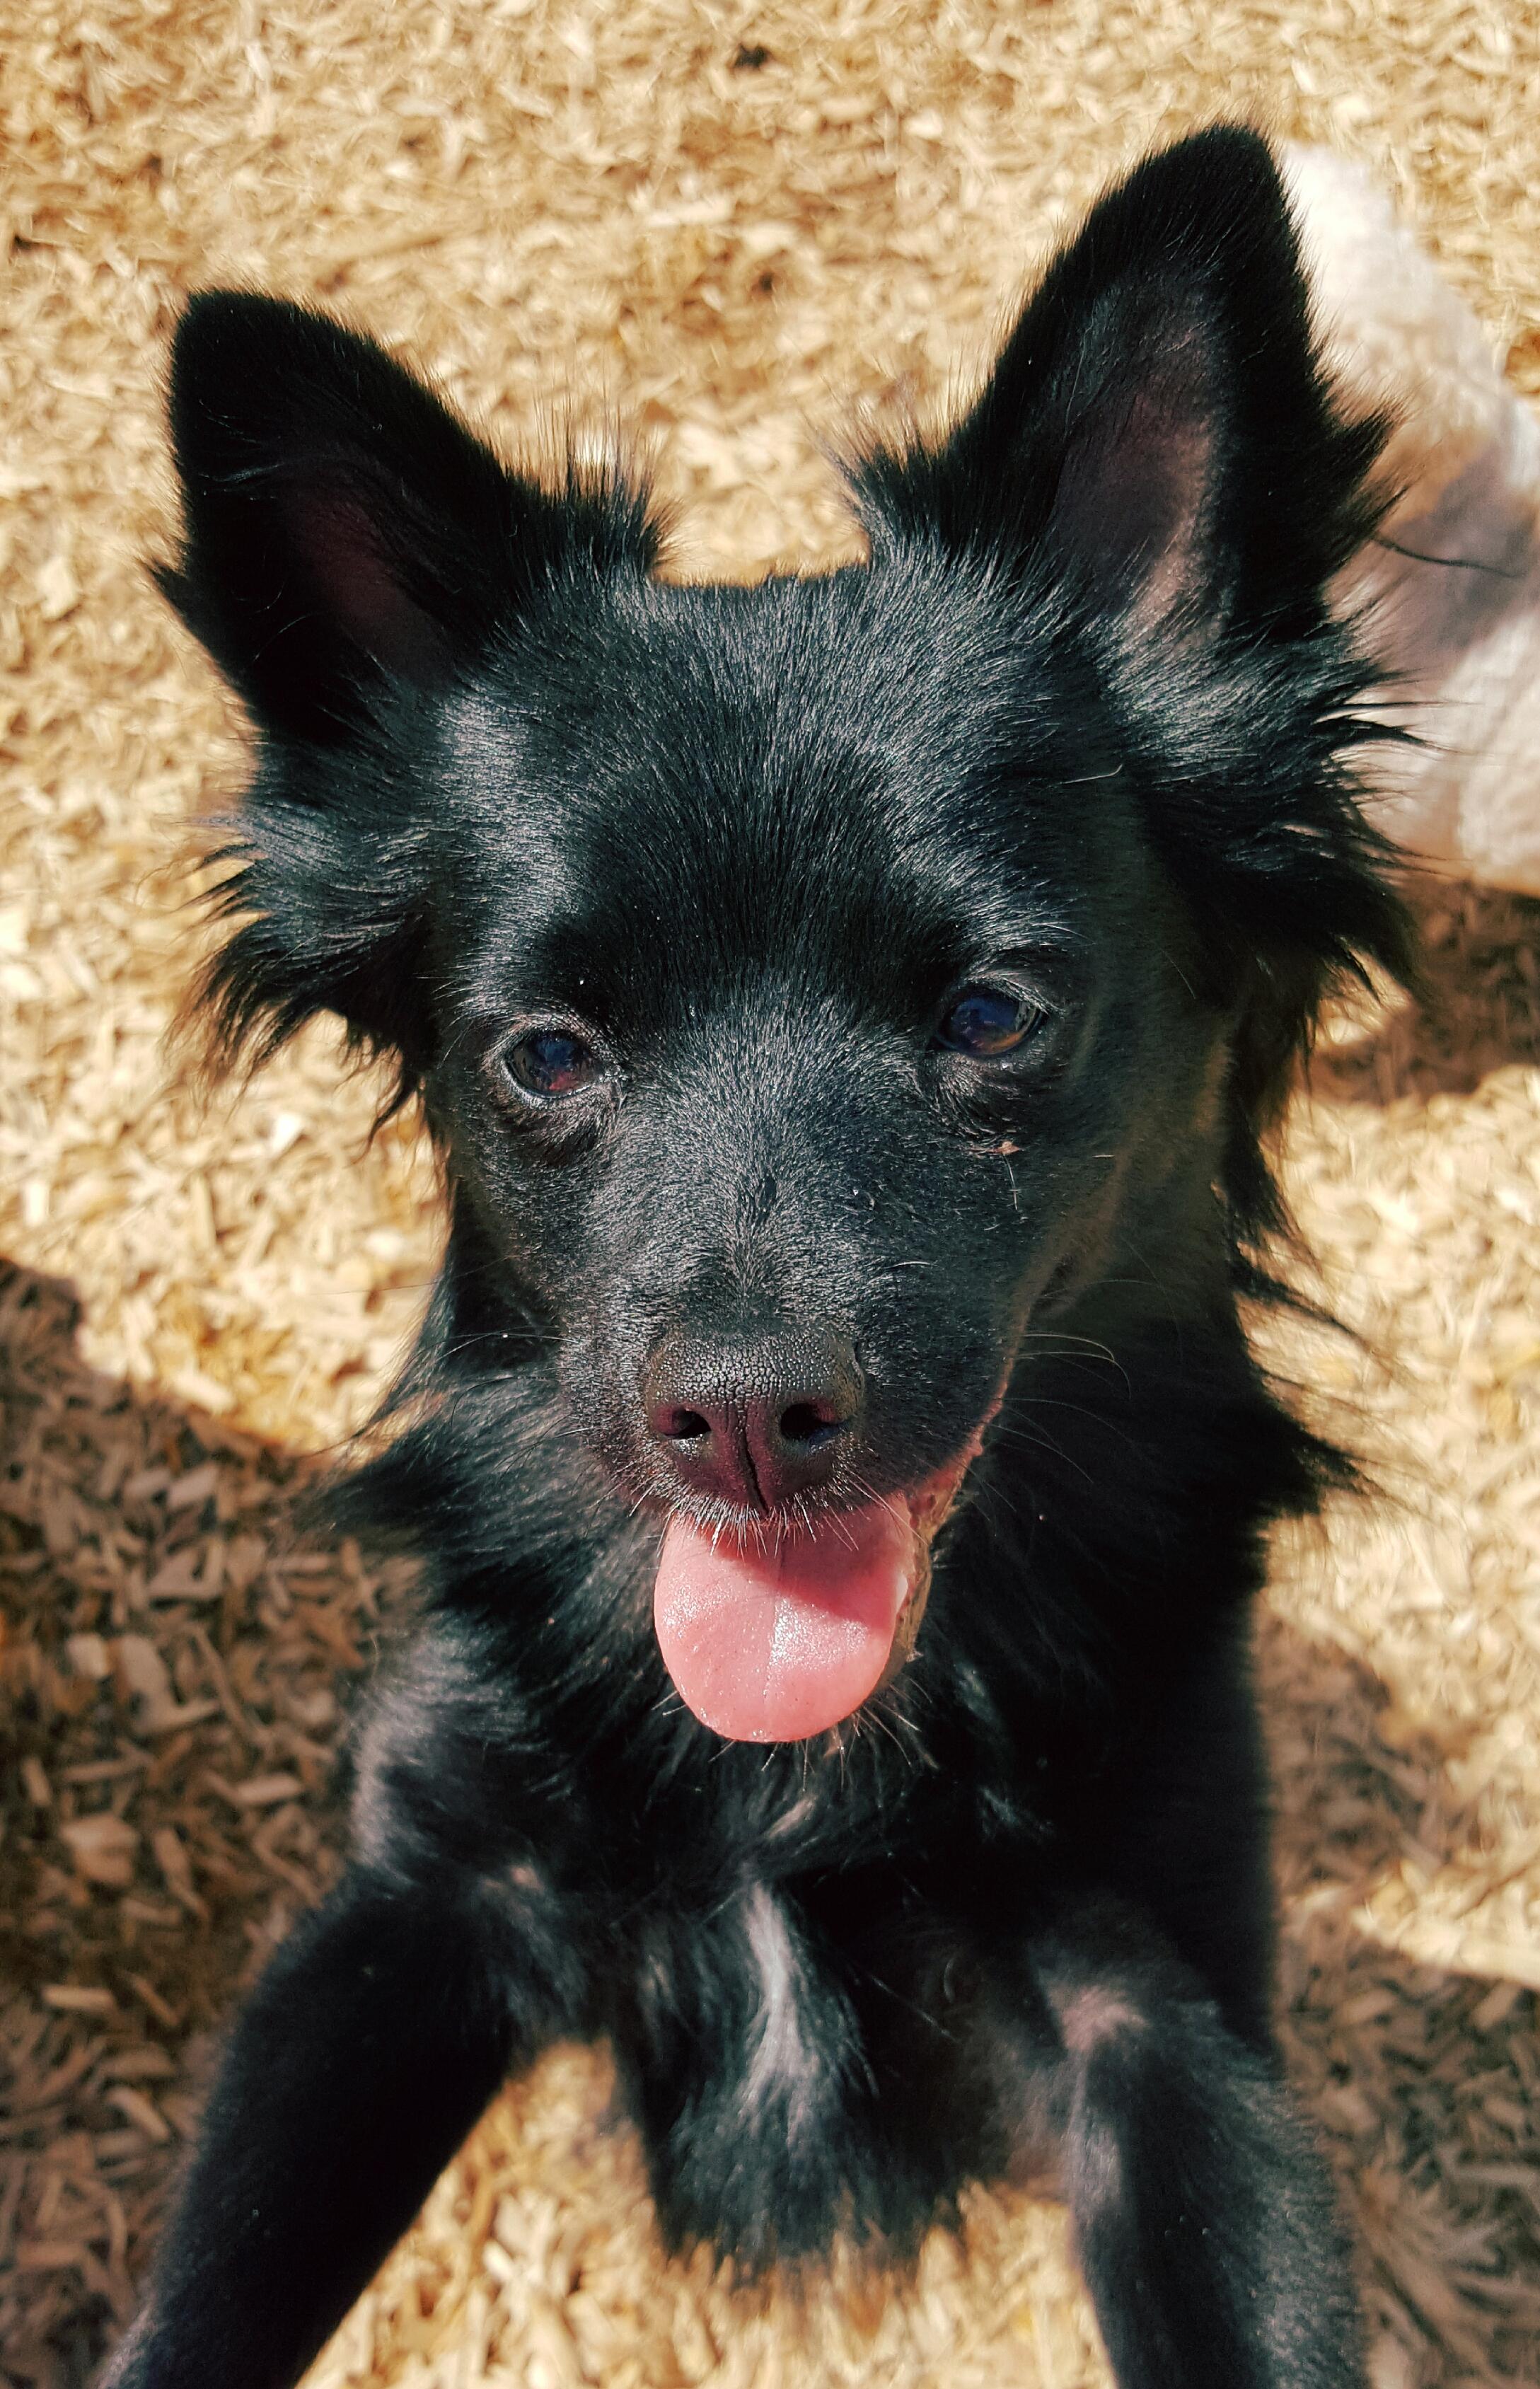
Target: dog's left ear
x: 1155, y: 431
x: 1155, y: 462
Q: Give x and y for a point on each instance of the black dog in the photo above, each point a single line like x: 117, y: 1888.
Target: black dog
x: 848, y: 1009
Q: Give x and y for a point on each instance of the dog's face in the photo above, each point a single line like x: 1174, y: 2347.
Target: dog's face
x: 796, y: 1017
x: 818, y: 988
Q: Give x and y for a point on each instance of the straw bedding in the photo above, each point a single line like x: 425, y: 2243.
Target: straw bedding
x: 720, y: 226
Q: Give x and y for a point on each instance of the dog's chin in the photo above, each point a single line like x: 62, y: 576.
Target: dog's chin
x: 776, y: 1630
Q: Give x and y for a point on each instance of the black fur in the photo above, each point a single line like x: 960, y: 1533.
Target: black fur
x: 1082, y: 726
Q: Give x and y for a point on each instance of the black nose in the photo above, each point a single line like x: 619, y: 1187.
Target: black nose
x: 754, y: 1423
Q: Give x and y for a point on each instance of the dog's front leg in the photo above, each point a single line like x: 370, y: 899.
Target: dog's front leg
x: 1205, y: 2222
x: 378, y: 2033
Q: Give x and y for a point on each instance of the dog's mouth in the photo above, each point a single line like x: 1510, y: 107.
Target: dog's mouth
x: 782, y: 1635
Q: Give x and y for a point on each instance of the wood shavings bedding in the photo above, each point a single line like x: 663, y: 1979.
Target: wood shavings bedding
x: 722, y: 225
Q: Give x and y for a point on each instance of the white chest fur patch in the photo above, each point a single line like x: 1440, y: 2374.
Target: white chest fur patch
x: 781, y: 2067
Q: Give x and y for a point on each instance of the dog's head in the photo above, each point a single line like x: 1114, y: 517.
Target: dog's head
x: 815, y: 987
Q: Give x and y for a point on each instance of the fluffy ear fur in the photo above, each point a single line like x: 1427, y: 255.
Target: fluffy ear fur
x: 343, y: 528
x: 349, y: 546
x: 1155, y: 466
x: 1154, y: 430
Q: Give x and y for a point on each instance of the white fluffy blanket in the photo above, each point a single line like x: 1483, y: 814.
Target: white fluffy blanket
x: 1453, y: 586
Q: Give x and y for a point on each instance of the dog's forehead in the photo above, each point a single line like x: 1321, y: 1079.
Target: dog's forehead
x: 793, y: 767
x: 878, y: 676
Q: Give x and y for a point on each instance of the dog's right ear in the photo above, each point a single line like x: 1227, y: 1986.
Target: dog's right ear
x: 350, y: 548
x: 342, y: 525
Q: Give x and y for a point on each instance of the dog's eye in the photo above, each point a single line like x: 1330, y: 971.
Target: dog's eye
x: 549, y: 1062
x: 988, y: 1021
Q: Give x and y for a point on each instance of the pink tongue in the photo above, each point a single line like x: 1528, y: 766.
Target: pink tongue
x: 774, y: 1644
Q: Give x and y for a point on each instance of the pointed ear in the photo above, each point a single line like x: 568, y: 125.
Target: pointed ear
x: 342, y: 525
x: 348, y: 542
x: 1155, y: 431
